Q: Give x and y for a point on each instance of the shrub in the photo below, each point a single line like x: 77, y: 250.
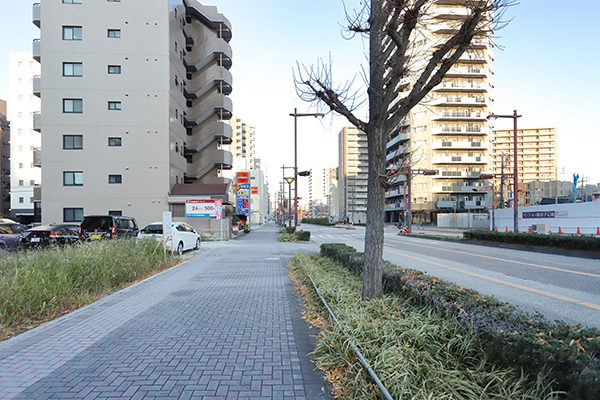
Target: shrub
x: 586, y: 243
x: 514, y: 338
x: 317, y: 221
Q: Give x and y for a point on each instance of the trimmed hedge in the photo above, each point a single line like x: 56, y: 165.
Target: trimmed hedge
x: 586, y: 243
x: 317, y: 221
x: 511, y: 337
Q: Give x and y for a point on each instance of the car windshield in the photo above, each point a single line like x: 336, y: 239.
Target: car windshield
x: 11, y: 228
x: 97, y: 224
x: 153, y: 229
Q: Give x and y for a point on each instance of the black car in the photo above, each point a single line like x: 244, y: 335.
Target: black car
x: 9, y: 234
x: 95, y: 227
x: 46, y: 235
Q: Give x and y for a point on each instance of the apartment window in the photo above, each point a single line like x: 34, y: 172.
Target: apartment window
x: 114, y: 69
x: 31, y: 200
x: 72, y: 33
x: 114, y: 179
x: 114, y: 141
x: 72, y: 214
x: 20, y: 148
x: 72, y: 69
x: 71, y: 1
x: 20, y: 183
x: 72, y: 178
x: 73, y: 142
x: 114, y: 33
x: 114, y: 105
x: 20, y: 165
x: 73, y: 106
x: 21, y: 200
x: 31, y: 183
x: 115, y: 213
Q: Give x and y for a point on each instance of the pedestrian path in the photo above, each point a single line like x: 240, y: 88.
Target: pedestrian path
x: 223, y: 325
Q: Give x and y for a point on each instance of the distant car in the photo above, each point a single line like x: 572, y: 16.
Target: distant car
x: 46, y: 235
x: 9, y: 235
x: 95, y: 227
x: 184, y: 236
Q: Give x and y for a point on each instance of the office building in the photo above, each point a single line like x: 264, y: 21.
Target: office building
x: 134, y: 101
x: 353, y: 175
x: 447, y: 132
x: 25, y: 142
x: 320, y: 194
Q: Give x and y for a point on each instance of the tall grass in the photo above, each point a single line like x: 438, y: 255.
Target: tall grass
x: 416, y: 352
x: 36, y: 285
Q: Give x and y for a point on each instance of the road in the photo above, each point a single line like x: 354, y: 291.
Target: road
x: 559, y: 287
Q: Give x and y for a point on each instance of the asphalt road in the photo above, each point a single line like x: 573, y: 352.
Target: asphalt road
x: 559, y: 287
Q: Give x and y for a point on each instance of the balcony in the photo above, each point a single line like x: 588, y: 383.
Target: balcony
x: 445, y: 204
x: 37, y: 157
x: 458, y: 175
x: 459, y: 115
x: 37, y: 121
x: 395, y: 193
x: 189, y: 34
x: 396, y: 153
x: 458, y: 160
x: 466, y: 101
x: 453, y: 130
x: 219, y: 78
x: 463, y: 145
x: 37, y: 85
x: 209, y: 160
x: 402, y: 137
x: 463, y: 86
x: 221, y: 51
x: 37, y: 14
x: 396, y: 206
x: 223, y: 110
x: 209, y: 17
x: 37, y: 50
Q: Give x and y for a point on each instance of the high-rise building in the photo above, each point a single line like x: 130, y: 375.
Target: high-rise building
x: 25, y: 142
x: 134, y: 101
x: 536, y: 154
x: 319, y: 191
x: 353, y: 175
x: 4, y: 161
x: 242, y: 141
x: 447, y: 132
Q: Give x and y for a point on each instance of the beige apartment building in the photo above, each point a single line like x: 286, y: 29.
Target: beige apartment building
x: 353, y: 174
x: 320, y: 196
x: 134, y: 101
x: 536, y: 156
x: 447, y: 132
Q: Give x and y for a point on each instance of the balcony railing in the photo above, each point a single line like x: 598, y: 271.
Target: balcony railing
x: 37, y: 50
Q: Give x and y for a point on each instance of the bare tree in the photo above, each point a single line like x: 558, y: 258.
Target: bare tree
x: 402, y: 71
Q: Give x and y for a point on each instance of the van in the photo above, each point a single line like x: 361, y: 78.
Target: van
x: 94, y: 227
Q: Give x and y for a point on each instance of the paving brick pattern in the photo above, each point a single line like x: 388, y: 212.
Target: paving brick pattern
x: 224, y: 325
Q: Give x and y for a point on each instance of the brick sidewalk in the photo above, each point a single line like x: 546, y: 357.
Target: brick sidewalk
x: 224, y: 325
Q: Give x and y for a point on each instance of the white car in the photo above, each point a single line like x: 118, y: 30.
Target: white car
x: 184, y: 236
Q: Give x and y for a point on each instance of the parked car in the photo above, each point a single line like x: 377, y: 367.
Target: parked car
x: 46, y: 235
x: 95, y: 227
x: 184, y: 236
x: 9, y: 235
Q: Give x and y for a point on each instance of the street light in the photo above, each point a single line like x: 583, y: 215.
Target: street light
x: 289, y: 181
x: 515, y: 172
x: 296, y: 115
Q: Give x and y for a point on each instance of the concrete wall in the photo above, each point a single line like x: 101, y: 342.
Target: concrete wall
x: 566, y: 217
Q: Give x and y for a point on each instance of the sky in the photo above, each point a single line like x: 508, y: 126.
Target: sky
x: 545, y: 63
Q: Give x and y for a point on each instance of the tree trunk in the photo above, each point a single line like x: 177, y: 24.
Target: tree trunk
x: 372, y: 269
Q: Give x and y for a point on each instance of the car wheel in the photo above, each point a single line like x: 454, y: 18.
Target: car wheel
x: 197, y: 244
x: 180, y: 248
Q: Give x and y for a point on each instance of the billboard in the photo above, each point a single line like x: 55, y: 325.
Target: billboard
x: 201, y: 208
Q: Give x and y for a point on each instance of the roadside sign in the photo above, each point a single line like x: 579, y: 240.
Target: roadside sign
x: 200, y: 208
x: 243, y: 177
x: 219, y: 209
x: 167, y: 225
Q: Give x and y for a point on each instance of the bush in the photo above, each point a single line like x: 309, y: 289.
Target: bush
x: 514, y: 338
x: 586, y: 243
x: 317, y: 221
x: 300, y: 236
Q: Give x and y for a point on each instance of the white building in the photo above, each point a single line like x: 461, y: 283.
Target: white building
x: 353, y: 175
x: 24, y: 141
x: 146, y: 110
x: 320, y: 192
